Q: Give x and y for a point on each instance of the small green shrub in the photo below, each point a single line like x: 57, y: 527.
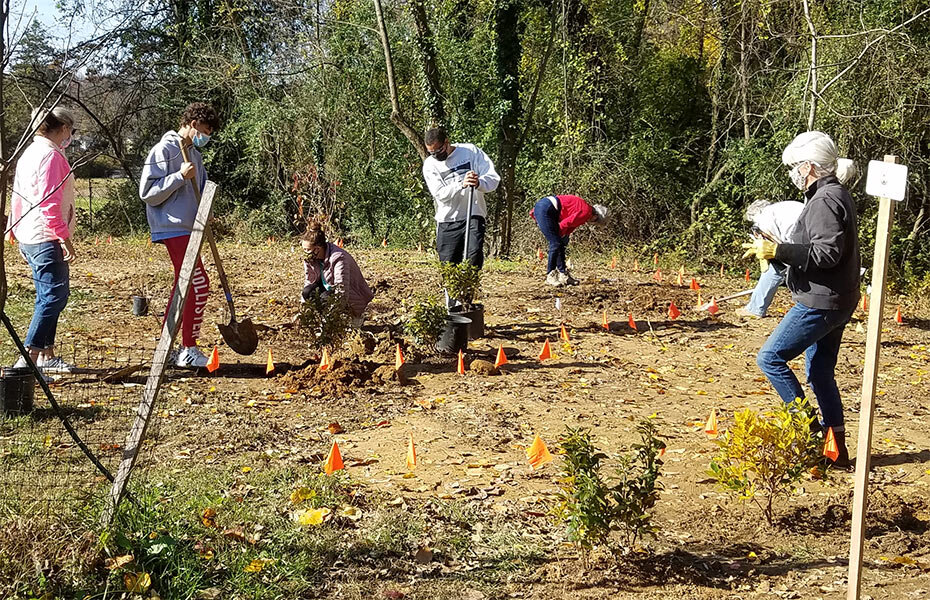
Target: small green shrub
x: 462, y: 281
x: 591, y: 507
x: 425, y: 320
x: 762, y: 458
x: 326, y: 318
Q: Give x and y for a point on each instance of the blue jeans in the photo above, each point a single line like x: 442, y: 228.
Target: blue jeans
x: 51, y: 276
x: 547, y: 217
x: 817, y: 333
x: 765, y: 289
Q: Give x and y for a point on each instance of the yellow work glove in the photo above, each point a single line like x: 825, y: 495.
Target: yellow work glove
x: 761, y: 248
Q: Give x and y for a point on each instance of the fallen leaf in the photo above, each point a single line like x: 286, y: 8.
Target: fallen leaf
x: 301, y: 494
x: 423, y: 556
x: 238, y: 535
x: 350, y: 512
x: 257, y: 565
x: 118, y: 561
x: 208, y: 517
x: 314, y: 516
x: 137, y: 583
x: 335, y: 428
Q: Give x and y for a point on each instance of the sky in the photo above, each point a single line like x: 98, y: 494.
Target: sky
x: 56, y: 23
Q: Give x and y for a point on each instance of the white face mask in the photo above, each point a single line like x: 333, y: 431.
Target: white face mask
x: 799, y: 181
x: 66, y: 143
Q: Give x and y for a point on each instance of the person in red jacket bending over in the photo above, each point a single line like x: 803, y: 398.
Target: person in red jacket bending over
x: 557, y: 217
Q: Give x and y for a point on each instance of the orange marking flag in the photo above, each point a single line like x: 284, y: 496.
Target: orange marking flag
x: 325, y: 362
x: 655, y: 259
x: 657, y: 275
x: 501, y: 357
x: 898, y: 318
x: 537, y: 453
x: 695, y: 285
x: 699, y: 303
x: 713, y: 309
x: 613, y: 263
x: 539, y: 254
x: 631, y: 322
x: 334, y: 460
x: 546, y: 352
x: 563, y: 335
x: 606, y: 323
x: 830, y: 450
x: 747, y: 275
x: 865, y: 303
x: 269, y: 366
x: 461, y: 367
x: 398, y: 358
x: 214, y: 363
x: 384, y: 242
x: 411, y: 454
x: 673, y: 312
x: 710, y: 428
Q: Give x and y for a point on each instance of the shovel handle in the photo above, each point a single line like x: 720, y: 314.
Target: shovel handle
x: 208, y: 233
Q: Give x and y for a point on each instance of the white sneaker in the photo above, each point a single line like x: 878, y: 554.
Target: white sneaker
x: 567, y: 279
x: 191, y: 358
x: 553, y: 279
x: 56, y: 365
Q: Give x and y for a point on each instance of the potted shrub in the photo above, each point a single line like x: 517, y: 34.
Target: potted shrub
x: 429, y: 323
x: 463, y: 282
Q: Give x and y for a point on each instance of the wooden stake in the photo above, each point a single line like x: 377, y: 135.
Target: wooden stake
x: 156, y: 375
x: 873, y: 339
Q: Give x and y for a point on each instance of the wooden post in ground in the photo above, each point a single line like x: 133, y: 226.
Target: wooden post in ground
x: 873, y: 339
x: 156, y: 375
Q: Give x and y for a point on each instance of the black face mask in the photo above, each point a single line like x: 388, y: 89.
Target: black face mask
x: 440, y: 154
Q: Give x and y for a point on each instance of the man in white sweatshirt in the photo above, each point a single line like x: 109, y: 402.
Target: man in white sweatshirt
x: 450, y: 171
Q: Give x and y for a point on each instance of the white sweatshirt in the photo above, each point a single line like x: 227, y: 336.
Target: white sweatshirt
x: 444, y: 180
x: 778, y: 219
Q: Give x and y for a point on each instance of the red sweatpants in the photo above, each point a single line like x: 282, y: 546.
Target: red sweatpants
x: 192, y: 316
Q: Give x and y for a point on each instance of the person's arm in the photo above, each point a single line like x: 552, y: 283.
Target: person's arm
x: 53, y: 171
x: 339, y: 274
x: 311, y: 272
x: 488, y: 179
x: 441, y: 191
x: 157, y: 183
x: 828, y: 238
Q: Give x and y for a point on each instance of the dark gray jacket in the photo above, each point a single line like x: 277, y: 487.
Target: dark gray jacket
x: 823, y: 256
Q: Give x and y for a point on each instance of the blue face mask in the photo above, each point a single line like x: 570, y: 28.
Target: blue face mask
x: 201, y: 139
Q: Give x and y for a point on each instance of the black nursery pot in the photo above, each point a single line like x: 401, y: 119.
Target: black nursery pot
x: 17, y: 391
x: 454, y: 335
x: 140, y: 306
x: 476, y: 314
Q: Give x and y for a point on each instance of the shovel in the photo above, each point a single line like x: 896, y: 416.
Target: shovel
x: 240, y: 336
x: 706, y: 305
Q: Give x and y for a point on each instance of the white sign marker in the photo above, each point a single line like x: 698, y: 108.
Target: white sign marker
x: 886, y: 180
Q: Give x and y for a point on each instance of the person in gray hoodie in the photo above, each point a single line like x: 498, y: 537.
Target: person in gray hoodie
x: 170, y: 206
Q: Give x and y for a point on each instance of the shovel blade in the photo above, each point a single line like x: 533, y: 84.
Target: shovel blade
x: 240, y: 336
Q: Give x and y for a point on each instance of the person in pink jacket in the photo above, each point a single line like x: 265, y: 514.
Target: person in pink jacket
x: 330, y: 268
x: 42, y: 220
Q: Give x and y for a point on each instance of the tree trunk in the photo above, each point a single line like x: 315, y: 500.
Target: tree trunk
x: 397, y: 117
x: 812, y: 77
x: 507, y: 56
x: 744, y: 67
x: 427, y: 53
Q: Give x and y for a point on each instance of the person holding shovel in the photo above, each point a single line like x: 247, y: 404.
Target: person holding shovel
x: 557, y: 217
x: 822, y: 257
x: 329, y: 268
x: 458, y: 177
x: 171, y: 206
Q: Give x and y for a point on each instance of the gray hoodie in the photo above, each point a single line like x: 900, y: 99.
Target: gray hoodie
x: 170, y: 205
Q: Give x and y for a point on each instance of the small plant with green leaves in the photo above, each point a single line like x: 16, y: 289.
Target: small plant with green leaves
x: 591, y: 507
x: 327, y: 319
x: 462, y: 282
x: 425, y: 320
x: 763, y: 457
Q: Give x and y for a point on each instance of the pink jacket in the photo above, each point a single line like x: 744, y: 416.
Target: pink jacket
x: 44, y: 179
x: 340, y: 270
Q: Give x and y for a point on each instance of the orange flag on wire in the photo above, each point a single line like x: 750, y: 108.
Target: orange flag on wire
x: 501, y: 357
x: 710, y: 428
x: 109, y: 239
x: 613, y: 263
x: 563, y: 334
x: 539, y: 254
x: 537, y: 454
x: 657, y: 275
x: 411, y: 453
x: 546, y: 352
x: 398, y: 358
x: 673, y: 312
x: 631, y: 322
x: 214, y: 363
x: 461, y: 367
x: 655, y: 259
x: 830, y: 450
x: 384, y: 242
x: 695, y: 285
x: 898, y: 318
x: 606, y: 323
x: 865, y: 303
x: 269, y: 366
x: 325, y: 363
x: 334, y: 460
x: 747, y: 275
x: 713, y: 308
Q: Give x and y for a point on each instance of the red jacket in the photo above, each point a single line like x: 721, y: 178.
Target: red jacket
x: 575, y: 213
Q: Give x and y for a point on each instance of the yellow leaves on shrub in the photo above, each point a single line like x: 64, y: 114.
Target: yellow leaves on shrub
x: 137, y: 583
x: 311, y: 517
x: 257, y: 565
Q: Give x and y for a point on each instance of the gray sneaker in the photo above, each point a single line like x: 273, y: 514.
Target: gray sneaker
x: 553, y: 279
x: 567, y: 279
x: 56, y: 365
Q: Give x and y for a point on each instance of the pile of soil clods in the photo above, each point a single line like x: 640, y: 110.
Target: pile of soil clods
x: 342, y: 378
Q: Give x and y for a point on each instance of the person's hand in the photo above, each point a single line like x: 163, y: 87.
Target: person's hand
x: 761, y: 248
x: 187, y: 170
x: 471, y: 180
x: 67, y: 249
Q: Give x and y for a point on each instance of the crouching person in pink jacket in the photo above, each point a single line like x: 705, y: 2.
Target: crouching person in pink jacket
x: 329, y: 268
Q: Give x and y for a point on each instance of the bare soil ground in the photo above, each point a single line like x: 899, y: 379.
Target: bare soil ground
x: 471, y: 430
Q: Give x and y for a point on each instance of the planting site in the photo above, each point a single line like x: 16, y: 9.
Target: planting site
x: 437, y: 497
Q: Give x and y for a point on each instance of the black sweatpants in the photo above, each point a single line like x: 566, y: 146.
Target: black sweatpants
x: 450, y: 241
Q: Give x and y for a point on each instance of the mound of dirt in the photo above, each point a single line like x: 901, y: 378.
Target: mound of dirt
x: 890, y: 512
x: 483, y: 367
x: 339, y: 380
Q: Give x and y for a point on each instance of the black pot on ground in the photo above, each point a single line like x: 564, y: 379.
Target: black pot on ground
x: 454, y: 335
x: 140, y: 306
x: 17, y: 391
x: 476, y: 314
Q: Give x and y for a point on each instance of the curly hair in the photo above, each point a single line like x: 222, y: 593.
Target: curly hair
x: 203, y: 112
